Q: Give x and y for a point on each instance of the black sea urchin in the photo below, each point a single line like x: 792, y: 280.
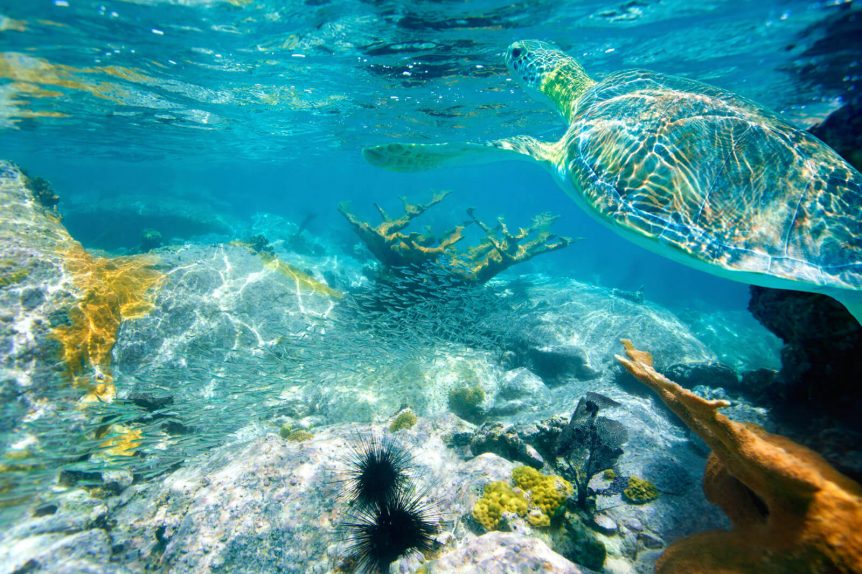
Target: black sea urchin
x: 377, y: 472
x: 384, y: 531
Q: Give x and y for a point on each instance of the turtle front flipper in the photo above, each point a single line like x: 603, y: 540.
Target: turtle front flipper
x: 421, y: 157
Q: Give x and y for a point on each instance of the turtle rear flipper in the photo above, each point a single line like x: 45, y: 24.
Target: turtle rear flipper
x: 420, y: 157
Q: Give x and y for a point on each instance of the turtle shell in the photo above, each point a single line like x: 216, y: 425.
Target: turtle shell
x: 718, y: 178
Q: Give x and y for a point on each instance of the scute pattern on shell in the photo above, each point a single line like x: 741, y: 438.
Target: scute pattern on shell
x: 716, y: 177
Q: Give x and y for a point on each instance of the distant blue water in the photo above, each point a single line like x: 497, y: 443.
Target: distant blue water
x: 263, y: 106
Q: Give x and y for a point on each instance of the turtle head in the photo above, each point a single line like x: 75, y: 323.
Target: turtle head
x: 548, y: 72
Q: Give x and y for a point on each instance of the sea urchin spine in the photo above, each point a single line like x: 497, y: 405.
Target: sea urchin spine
x: 378, y: 471
x: 384, y: 531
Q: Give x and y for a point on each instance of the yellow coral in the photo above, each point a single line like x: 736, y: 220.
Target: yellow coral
x: 547, y: 493
x: 498, y: 498
x: 113, y: 290
x: 538, y: 518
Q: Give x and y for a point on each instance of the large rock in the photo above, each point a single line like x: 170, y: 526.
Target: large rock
x: 35, y: 292
x: 822, y: 346
x: 274, y: 505
x: 503, y: 553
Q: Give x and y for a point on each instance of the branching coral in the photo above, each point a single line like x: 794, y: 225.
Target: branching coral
x: 391, y: 246
x: 498, y: 251
x: 112, y: 291
x: 791, y: 511
x: 501, y: 248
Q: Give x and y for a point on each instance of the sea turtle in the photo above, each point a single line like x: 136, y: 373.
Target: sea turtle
x: 690, y: 171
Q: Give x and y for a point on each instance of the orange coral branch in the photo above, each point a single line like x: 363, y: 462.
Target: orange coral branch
x: 791, y: 511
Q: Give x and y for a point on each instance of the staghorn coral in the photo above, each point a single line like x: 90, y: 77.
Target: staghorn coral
x: 501, y: 248
x: 391, y: 246
x: 112, y: 291
x: 498, y: 251
x: 791, y: 511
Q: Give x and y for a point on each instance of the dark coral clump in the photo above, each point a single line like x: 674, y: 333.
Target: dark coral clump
x: 589, y: 444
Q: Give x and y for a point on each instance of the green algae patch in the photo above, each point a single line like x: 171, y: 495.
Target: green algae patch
x: 406, y: 419
x: 294, y: 435
x: 640, y: 491
x: 466, y: 402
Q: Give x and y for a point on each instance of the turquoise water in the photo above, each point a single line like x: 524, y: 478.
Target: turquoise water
x: 264, y: 106
x: 216, y: 143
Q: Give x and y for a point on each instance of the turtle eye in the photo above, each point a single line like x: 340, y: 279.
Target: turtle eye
x: 516, y: 53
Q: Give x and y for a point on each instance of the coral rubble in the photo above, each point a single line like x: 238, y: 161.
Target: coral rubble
x: 791, y: 511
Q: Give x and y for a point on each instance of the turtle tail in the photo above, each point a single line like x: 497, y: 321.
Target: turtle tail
x: 421, y: 157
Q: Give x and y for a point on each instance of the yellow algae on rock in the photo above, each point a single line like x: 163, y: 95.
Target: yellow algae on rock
x: 112, y: 291
x: 537, y: 496
x: 498, y: 498
x: 303, y: 280
x: 121, y: 441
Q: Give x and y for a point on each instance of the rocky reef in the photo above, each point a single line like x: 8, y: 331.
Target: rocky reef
x: 222, y: 387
